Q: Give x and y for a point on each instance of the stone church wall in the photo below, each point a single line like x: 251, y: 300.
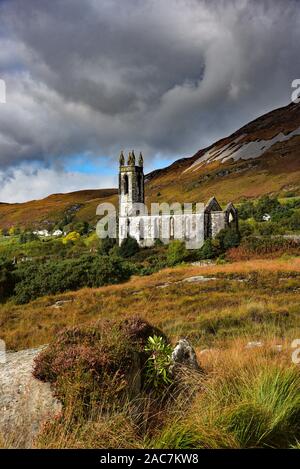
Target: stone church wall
x: 217, y: 222
x: 146, y: 229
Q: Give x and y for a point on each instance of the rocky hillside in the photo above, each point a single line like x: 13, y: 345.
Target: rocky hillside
x: 263, y: 157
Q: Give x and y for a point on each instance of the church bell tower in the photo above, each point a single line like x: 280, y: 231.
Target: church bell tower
x: 131, y: 183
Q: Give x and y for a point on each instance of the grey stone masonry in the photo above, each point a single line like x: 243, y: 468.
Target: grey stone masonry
x: 166, y: 227
x: 131, y: 184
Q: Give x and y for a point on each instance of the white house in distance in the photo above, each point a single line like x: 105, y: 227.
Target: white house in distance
x: 57, y: 233
x: 147, y: 228
x: 46, y: 233
x: 42, y: 233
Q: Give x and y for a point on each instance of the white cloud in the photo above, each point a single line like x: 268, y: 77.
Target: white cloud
x: 165, y: 77
x: 27, y: 183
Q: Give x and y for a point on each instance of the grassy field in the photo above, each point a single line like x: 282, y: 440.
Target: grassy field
x: 248, y: 397
x: 252, y: 299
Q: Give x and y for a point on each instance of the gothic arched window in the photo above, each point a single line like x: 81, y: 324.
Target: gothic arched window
x: 128, y: 227
x: 230, y: 217
x: 187, y: 233
x: 139, y: 184
x: 125, y: 184
x: 172, y: 228
x: 141, y: 229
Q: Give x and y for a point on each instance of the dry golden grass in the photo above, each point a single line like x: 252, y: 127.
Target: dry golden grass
x: 245, y: 398
x: 257, y: 300
x: 205, y: 311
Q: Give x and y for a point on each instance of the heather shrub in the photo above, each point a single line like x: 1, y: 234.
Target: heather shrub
x: 97, y: 364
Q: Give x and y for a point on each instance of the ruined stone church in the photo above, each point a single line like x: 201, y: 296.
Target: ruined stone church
x: 134, y: 220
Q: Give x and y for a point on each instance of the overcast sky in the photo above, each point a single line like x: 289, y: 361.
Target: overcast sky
x: 86, y: 78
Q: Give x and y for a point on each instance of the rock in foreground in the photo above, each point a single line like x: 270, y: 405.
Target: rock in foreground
x: 25, y: 402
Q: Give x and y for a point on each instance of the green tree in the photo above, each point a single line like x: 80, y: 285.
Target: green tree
x: 268, y: 205
x: 82, y: 227
x: 7, y: 279
x: 176, y: 253
x: 129, y: 247
x: 294, y: 222
x: 230, y: 238
x: 106, y: 244
x: 71, y: 237
x: 245, y: 228
x: 210, y: 249
x: 246, y: 210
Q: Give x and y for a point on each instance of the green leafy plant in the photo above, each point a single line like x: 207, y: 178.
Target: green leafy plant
x: 158, y: 364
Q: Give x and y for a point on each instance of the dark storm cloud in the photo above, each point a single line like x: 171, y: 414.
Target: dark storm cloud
x: 166, y: 76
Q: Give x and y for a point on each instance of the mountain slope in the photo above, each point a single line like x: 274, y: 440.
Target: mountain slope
x: 45, y: 213
x: 263, y: 157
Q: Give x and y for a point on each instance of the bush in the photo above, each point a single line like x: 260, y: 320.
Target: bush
x: 294, y: 221
x: 99, y: 363
x: 256, y: 247
x: 176, y: 253
x: 7, y: 279
x: 246, y: 210
x: 229, y: 238
x: 36, y: 279
x: 245, y: 228
x: 264, y: 205
x: 106, y: 245
x: 71, y: 237
x: 269, y: 228
x: 129, y: 247
x: 81, y: 227
x: 209, y: 250
x: 270, y: 205
x: 212, y: 248
x: 27, y: 236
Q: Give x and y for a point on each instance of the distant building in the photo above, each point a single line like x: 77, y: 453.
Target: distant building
x: 266, y: 217
x: 147, y: 228
x: 57, y: 233
x: 42, y: 233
